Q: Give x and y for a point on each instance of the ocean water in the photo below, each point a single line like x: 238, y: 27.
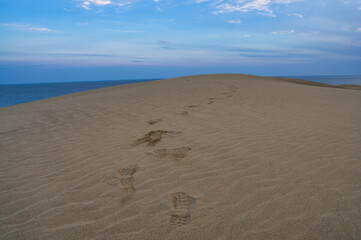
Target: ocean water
x: 13, y: 94
x: 332, y: 80
x: 21, y: 93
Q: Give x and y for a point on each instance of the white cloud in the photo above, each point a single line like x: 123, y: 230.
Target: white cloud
x: 284, y: 32
x: 358, y: 29
x: 100, y: 2
x: 202, y: 1
x: 234, y: 21
x: 261, y: 6
x: 82, y: 23
x: 26, y: 27
x: 86, y: 4
x: 125, y: 31
x: 286, y: 1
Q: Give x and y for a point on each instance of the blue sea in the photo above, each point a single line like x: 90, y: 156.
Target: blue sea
x: 13, y: 94
x: 332, y: 80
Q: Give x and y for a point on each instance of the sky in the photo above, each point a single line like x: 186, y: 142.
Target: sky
x: 86, y: 40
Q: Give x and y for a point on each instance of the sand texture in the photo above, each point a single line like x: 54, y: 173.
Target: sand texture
x: 223, y: 156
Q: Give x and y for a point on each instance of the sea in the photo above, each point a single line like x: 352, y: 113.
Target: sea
x: 12, y: 94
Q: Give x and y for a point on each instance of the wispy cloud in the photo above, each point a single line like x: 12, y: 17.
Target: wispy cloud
x: 27, y: 27
x: 259, y: 6
x: 124, y: 31
x: 298, y: 15
x: 82, y: 54
x: 82, y: 23
x: 234, y: 21
x: 284, y: 32
x: 87, y: 4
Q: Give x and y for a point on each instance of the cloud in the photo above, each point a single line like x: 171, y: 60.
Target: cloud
x: 82, y: 23
x: 86, y: 4
x: 259, y: 6
x: 83, y: 54
x: 234, y: 21
x: 358, y: 29
x: 91, y: 54
x: 27, y: 27
x: 284, y: 32
x: 124, y: 31
x: 164, y: 42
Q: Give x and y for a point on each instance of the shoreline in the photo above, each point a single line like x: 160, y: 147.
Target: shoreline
x: 9, y: 99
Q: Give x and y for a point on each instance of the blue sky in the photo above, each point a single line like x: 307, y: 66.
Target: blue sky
x: 79, y: 40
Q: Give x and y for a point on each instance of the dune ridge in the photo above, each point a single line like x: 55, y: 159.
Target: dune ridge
x: 223, y: 156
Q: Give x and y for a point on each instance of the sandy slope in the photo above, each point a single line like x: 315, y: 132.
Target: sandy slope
x: 230, y: 157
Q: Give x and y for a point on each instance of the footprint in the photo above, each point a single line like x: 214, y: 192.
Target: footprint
x: 179, y: 220
x: 153, y: 137
x: 227, y: 94
x: 151, y: 122
x: 181, y: 205
x: 233, y: 88
x: 176, y: 153
x: 184, y: 113
x: 128, y: 171
x: 123, y: 178
x: 210, y: 102
x: 192, y: 106
x: 181, y: 201
x: 126, y: 182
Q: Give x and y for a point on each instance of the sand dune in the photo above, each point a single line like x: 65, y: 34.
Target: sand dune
x: 223, y: 156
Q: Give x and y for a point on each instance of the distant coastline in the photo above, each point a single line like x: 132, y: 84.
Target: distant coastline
x: 332, y: 80
x: 12, y: 94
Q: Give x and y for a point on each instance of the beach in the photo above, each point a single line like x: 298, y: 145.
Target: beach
x: 222, y: 156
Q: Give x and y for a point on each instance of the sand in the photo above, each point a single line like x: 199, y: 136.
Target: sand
x: 222, y: 156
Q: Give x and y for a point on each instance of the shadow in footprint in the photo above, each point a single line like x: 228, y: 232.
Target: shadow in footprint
x: 177, y: 153
x: 152, y: 122
x: 181, y: 205
x: 192, y: 106
x: 153, y: 137
x: 184, y: 113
